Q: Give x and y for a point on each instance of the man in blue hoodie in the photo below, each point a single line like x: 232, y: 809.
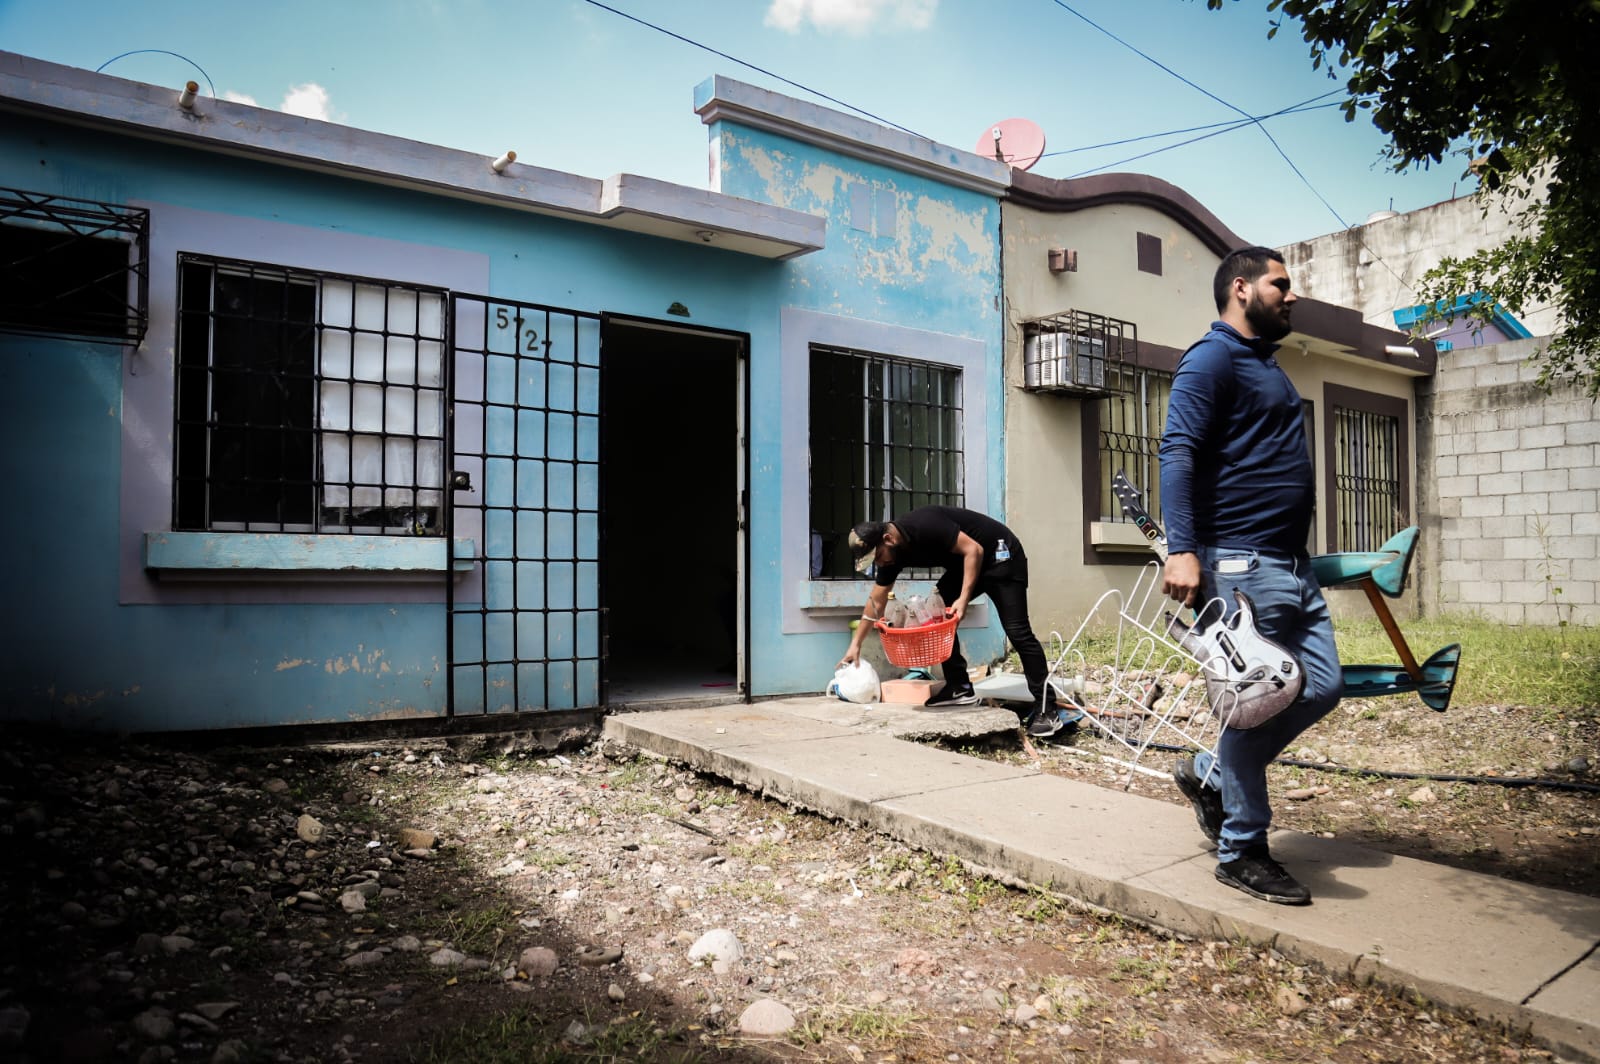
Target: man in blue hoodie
x: 1237, y: 493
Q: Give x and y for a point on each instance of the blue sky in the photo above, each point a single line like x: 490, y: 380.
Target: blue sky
x: 570, y: 85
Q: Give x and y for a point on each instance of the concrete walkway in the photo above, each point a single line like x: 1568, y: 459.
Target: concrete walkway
x: 1528, y: 956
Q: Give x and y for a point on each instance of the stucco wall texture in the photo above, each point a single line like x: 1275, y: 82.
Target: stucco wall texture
x: 1510, y: 491
x: 1375, y: 267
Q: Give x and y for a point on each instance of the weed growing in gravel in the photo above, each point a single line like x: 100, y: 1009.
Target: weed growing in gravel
x: 522, y: 1036
x: 874, y: 1024
x: 750, y: 890
x: 478, y: 930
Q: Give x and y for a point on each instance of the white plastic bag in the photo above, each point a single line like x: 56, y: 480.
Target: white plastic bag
x: 855, y: 683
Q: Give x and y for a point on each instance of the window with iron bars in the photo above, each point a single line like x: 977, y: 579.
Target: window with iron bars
x: 73, y: 268
x: 307, y: 402
x: 1369, y: 503
x: 885, y: 438
x: 1132, y: 420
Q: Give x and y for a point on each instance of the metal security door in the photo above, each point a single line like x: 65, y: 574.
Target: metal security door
x: 525, y: 630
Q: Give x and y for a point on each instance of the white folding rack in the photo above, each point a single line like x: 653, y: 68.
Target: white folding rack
x: 1143, y: 688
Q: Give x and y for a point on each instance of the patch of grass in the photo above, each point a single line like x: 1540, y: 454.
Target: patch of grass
x: 1500, y: 664
x: 875, y: 1025
x: 477, y: 931
x: 522, y: 1036
x: 750, y: 890
x: 628, y: 774
x: 767, y: 852
x: 544, y: 859
x: 1041, y: 907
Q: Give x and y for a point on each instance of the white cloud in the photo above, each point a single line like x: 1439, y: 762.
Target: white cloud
x: 851, y: 16
x: 308, y: 101
x: 240, y: 97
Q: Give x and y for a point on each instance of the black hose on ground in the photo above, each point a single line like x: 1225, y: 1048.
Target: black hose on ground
x: 1435, y: 777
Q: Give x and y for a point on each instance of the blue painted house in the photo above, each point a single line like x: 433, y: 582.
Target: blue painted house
x: 321, y: 425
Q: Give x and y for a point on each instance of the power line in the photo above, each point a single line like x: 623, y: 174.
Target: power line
x: 1247, y: 120
x: 1230, y: 124
x: 752, y: 66
x: 1218, y: 128
x: 1063, y: 5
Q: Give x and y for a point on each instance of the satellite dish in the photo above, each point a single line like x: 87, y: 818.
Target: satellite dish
x: 1017, y: 142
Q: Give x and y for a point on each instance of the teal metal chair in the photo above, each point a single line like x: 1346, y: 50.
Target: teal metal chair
x: 1383, y: 573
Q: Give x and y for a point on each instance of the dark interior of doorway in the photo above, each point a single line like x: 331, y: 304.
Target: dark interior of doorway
x: 669, y: 513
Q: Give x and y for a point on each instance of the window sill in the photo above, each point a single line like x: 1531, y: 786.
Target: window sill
x: 1115, y: 536
x: 264, y: 555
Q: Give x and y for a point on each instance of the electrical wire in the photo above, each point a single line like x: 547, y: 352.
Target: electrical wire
x: 1232, y: 123
x: 1434, y: 777
x: 1248, y: 120
x: 752, y: 66
x: 161, y: 51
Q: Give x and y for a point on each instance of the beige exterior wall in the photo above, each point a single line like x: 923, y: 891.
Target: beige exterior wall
x: 1374, y: 268
x: 1044, y: 432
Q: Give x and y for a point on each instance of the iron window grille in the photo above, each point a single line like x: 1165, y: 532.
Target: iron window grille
x: 885, y: 438
x: 1132, y: 419
x: 73, y: 269
x: 1368, y: 507
x: 1077, y: 353
x: 307, y: 402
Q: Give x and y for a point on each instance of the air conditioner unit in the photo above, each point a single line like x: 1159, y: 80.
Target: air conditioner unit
x: 1064, y: 360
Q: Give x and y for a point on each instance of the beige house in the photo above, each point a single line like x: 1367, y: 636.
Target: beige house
x: 1107, y: 280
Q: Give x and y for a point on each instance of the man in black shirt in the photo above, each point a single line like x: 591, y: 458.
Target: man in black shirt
x: 980, y: 556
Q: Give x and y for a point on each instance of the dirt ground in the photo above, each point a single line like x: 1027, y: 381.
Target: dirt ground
x: 589, y: 904
x: 1527, y: 805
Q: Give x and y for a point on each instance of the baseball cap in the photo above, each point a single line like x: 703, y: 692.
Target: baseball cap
x: 864, y: 540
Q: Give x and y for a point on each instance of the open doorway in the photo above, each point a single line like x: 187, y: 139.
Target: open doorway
x: 672, y: 555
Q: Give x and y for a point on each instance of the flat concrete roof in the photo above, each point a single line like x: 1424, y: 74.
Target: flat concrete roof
x: 623, y: 201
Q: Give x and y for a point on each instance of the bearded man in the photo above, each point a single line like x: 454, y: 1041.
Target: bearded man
x: 1237, y: 493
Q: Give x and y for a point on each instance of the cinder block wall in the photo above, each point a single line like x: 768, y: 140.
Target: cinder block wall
x: 1510, y: 491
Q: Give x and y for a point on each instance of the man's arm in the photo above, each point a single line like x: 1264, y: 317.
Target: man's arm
x: 971, y: 552
x: 869, y: 613
x: 1190, y: 406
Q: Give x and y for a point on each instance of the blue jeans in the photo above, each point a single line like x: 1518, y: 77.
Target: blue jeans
x: 1289, y: 609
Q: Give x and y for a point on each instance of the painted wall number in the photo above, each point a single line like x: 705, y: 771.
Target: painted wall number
x: 503, y: 319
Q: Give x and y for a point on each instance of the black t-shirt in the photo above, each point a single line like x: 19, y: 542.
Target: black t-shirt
x: 929, y: 541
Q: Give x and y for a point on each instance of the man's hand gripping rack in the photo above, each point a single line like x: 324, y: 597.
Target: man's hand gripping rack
x: 1155, y: 688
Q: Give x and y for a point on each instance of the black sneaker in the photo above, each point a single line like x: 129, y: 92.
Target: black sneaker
x: 1259, y: 876
x: 1057, y: 722
x: 953, y: 696
x: 1207, y: 801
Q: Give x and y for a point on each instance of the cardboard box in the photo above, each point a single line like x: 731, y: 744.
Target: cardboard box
x: 908, y: 692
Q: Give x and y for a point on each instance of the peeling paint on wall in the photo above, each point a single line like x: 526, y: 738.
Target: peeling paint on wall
x: 292, y: 663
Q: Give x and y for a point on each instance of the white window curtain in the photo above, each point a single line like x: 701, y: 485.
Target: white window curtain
x: 381, y: 399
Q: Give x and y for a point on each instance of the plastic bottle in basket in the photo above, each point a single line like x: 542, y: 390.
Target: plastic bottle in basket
x: 913, y: 611
x: 895, y: 615
x: 935, y: 608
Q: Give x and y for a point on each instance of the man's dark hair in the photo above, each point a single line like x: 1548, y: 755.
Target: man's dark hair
x: 1248, y: 263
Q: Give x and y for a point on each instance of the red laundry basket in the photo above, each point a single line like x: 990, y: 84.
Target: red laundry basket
x: 912, y: 648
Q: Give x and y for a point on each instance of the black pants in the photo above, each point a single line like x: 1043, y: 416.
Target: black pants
x: 1007, y: 587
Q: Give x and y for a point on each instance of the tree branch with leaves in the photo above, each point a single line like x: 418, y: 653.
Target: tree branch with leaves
x: 1513, y: 86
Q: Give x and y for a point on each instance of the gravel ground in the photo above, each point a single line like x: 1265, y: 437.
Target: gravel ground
x: 436, y: 901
